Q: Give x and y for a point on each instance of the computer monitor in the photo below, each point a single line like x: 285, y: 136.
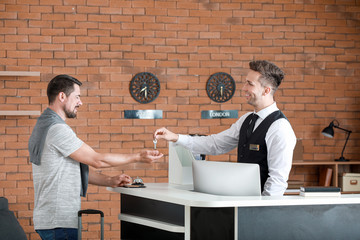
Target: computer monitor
x: 180, y: 165
x: 226, y: 178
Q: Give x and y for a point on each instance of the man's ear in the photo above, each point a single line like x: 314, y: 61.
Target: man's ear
x: 62, y: 96
x: 267, y: 90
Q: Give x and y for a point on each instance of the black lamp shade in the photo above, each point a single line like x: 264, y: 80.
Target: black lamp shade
x: 329, y: 131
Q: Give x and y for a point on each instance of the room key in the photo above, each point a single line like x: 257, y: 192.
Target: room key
x: 155, y: 141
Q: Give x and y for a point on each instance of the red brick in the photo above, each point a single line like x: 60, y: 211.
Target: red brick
x: 8, y: 15
x: 106, y: 42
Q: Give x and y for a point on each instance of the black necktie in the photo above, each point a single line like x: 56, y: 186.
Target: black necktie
x: 251, y: 125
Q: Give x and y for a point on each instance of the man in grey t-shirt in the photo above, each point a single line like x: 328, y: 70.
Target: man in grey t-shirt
x: 60, y: 163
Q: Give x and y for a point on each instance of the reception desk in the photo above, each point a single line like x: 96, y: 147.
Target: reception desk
x: 165, y: 211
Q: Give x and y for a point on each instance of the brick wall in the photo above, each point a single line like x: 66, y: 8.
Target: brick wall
x: 104, y: 43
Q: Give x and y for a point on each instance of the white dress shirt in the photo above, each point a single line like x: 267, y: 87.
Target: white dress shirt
x: 280, y: 141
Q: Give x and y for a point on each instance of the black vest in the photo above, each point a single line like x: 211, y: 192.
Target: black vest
x: 254, y: 150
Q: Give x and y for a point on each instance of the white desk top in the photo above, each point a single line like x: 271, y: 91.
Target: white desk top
x: 184, y: 195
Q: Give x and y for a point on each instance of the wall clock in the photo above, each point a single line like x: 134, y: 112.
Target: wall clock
x: 144, y: 87
x: 220, y: 87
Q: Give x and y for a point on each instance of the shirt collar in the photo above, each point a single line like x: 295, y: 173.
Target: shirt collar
x: 263, y: 113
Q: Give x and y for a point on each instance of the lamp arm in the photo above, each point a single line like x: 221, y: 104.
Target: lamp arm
x: 348, y: 131
x: 347, y: 138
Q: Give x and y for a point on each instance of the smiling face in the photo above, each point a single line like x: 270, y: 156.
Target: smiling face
x: 252, y: 89
x: 72, y: 102
x: 256, y: 95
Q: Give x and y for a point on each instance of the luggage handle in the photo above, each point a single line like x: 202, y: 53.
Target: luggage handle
x: 90, y: 211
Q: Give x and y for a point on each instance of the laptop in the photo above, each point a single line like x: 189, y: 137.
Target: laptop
x: 226, y: 178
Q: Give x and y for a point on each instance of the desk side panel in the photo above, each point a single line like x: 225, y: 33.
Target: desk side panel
x: 299, y: 222
x: 132, y: 231
x: 153, y: 209
x: 212, y: 223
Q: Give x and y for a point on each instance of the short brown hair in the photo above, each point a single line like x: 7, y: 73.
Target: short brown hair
x: 270, y: 73
x: 61, y: 83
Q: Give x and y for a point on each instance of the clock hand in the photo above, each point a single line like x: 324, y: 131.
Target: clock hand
x: 221, y: 90
x: 144, y: 89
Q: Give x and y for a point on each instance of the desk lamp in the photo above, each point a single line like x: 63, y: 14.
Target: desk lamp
x: 329, y: 132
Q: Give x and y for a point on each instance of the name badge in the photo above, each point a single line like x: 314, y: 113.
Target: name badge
x: 254, y: 147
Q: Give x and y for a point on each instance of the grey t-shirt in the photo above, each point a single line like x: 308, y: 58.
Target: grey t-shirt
x: 57, y: 181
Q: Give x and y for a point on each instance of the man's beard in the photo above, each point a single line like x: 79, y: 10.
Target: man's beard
x: 251, y: 101
x: 70, y: 114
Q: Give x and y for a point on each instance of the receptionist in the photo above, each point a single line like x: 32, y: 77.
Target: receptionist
x: 263, y: 137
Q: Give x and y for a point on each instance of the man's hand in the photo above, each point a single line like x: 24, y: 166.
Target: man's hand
x: 100, y: 179
x: 149, y: 156
x: 163, y: 133
x: 120, y: 180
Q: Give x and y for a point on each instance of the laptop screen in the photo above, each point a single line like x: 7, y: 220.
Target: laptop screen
x: 226, y: 178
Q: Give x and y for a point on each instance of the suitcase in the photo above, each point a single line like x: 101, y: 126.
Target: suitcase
x: 90, y: 211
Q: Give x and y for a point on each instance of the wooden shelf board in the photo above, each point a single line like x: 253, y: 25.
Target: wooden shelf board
x: 19, y: 113
x: 313, y: 163
x: 19, y: 73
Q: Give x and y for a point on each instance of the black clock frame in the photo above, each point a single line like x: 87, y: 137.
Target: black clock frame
x: 144, y: 87
x: 220, y: 87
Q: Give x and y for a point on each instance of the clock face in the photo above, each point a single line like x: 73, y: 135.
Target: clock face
x: 144, y: 87
x: 220, y: 87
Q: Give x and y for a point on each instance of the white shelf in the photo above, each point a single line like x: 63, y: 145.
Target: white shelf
x: 19, y: 73
x: 152, y: 223
x: 19, y: 113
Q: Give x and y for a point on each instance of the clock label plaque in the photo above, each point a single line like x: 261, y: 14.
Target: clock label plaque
x: 214, y: 114
x: 143, y: 114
